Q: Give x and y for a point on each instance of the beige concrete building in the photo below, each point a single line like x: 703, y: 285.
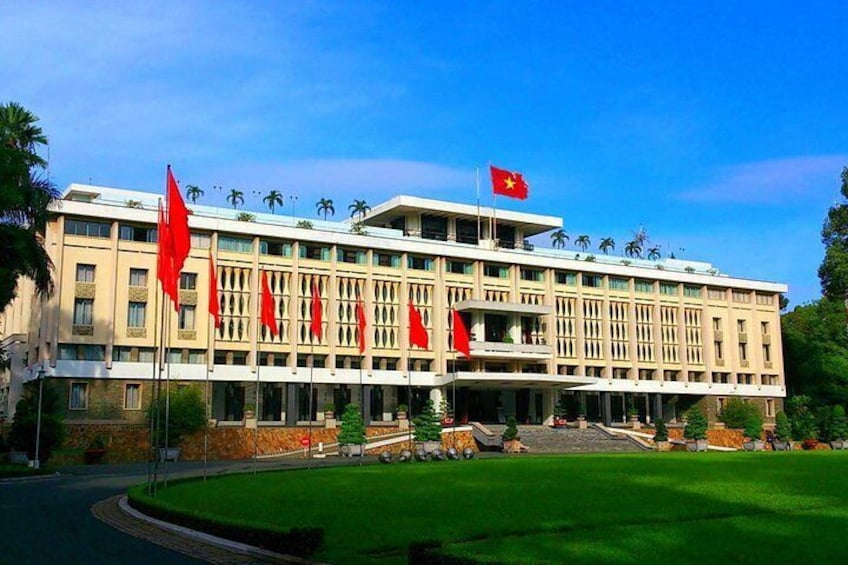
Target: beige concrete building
x: 599, y: 334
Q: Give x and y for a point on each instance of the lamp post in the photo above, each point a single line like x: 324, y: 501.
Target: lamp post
x: 36, y: 464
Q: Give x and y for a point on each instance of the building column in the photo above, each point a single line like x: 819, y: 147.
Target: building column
x: 657, y: 409
x: 606, y: 408
x: 366, y: 404
x: 291, y: 404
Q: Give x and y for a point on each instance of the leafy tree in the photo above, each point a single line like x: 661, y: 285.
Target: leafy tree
x: 753, y: 427
x: 360, y: 208
x: 18, y: 130
x: 838, y: 422
x: 660, y: 431
x: 427, y: 425
x: 583, y: 242
x: 186, y: 414
x: 25, y: 425
x: 696, y: 424
x: 633, y: 249
x: 782, y: 427
x: 802, y: 418
x: 353, y: 428
x: 654, y: 253
x: 558, y: 239
x: 325, y: 206
x: 833, y: 272
x: 606, y: 244
x: 511, y: 431
x: 273, y: 199
x: 235, y: 197
x: 193, y: 192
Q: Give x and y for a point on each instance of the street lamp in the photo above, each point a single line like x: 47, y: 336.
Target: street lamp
x: 36, y: 464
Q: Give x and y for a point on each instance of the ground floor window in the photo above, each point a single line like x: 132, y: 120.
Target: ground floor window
x: 78, y: 396
x: 132, y: 396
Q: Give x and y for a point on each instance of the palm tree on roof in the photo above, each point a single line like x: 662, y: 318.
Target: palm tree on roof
x: 18, y: 130
x: 325, y: 206
x: 633, y: 249
x: 558, y: 239
x: 273, y: 199
x: 360, y: 208
x: 193, y: 192
x: 654, y: 253
x: 235, y: 197
x: 583, y: 242
x: 606, y: 244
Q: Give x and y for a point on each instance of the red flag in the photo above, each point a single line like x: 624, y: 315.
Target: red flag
x: 165, y: 261
x: 269, y: 319
x: 460, y: 336
x: 360, y: 322
x: 417, y: 331
x: 508, y: 183
x: 178, y: 223
x: 213, y: 292
x: 315, y: 327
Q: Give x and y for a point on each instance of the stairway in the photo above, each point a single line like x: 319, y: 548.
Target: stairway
x: 543, y: 439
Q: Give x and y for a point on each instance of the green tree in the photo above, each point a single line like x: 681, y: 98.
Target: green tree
x: 511, y: 431
x: 273, y: 199
x: 606, y: 244
x: 19, y: 130
x: 193, y: 192
x: 583, y: 242
x: 186, y: 414
x: 633, y: 249
x: 325, y: 206
x: 782, y: 427
x: 838, y: 422
x: 802, y: 418
x: 696, y: 424
x: 558, y: 239
x: 833, y: 272
x: 359, y: 208
x: 353, y: 428
x: 736, y: 412
x: 427, y: 426
x: 236, y: 198
x: 24, y: 426
x: 660, y: 430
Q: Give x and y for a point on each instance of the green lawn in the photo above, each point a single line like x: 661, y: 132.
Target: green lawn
x: 10, y: 471
x: 648, y: 508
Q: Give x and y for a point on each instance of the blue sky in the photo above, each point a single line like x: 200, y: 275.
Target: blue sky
x: 720, y: 129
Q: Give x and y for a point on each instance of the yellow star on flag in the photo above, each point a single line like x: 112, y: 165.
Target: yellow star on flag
x: 509, y: 182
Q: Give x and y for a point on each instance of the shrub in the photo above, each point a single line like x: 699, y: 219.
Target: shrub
x: 660, y: 431
x: 737, y: 412
x: 187, y: 414
x: 24, y: 426
x: 696, y: 424
x: 838, y: 422
x: 511, y: 431
x: 305, y: 224
x: 353, y: 428
x: 754, y: 425
x: 801, y: 418
x: 427, y: 425
x: 782, y: 427
x: 246, y: 217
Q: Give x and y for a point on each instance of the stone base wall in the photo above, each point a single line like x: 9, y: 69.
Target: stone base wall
x: 460, y: 441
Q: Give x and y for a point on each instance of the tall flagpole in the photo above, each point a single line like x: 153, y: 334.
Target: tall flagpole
x: 479, y: 227
x: 256, y: 403
x: 151, y: 464
x: 311, y: 398
x: 362, y: 408
x: 168, y: 321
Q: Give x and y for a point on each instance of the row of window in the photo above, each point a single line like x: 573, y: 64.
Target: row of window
x: 78, y: 396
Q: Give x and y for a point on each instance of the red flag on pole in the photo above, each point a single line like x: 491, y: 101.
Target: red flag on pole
x: 213, y: 292
x: 316, y: 325
x: 360, y: 322
x: 460, y: 336
x: 269, y: 319
x: 508, y: 183
x: 178, y: 223
x: 165, y: 261
x: 417, y: 331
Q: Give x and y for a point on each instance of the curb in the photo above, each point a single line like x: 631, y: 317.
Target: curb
x: 30, y: 479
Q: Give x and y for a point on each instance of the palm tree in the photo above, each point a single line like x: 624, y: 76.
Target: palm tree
x: 18, y: 130
x: 558, y: 239
x: 633, y: 249
x: 359, y: 207
x: 193, y: 192
x: 606, y: 244
x: 235, y: 197
x: 325, y: 206
x: 273, y: 199
x: 583, y: 242
x: 654, y: 253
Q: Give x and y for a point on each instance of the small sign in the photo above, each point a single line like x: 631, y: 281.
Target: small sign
x: 304, y: 441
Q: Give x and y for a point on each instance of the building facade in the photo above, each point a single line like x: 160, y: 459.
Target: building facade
x: 598, y: 335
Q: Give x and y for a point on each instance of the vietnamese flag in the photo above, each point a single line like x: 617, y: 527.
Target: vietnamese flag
x: 508, y: 183
x: 461, y: 342
x: 213, y: 292
x: 165, y: 261
x: 178, y: 223
x: 269, y: 319
x: 360, y: 323
x: 316, y: 325
x: 417, y: 331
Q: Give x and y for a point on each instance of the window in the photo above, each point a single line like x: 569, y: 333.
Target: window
x: 719, y: 351
x: 72, y: 352
x: 460, y: 267
x: 235, y: 244
x: 136, y: 315
x: 593, y: 281
x: 668, y: 288
x: 144, y: 234
x: 85, y: 273
x: 83, y: 311
x: 78, y: 397
x: 386, y: 260
x: 188, y: 281
x: 197, y: 356
x: 314, y: 252
x: 767, y: 353
x: 273, y: 247
x: 764, y: 328
x: 186, y: 321
x: 132, y: 396
x: 132, y: 354
x: 88, y: 229
x: 743, y: 351
x: 496, y: 271
x: 643, y: 286
x: 536, y: 275
x: 765, y: 299
x: 201, y: 240
x: 419, y: 263
x: 616, y: 283
x: 692, y: 291
x: 566, y: 278
x: 355, y: 256
x: 769, y: 407
x: 741, y: 296
x: 138, y: 277
x: 740, y: 326
x: 716, y: 324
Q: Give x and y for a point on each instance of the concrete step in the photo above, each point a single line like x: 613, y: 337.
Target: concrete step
x: 543, y: 439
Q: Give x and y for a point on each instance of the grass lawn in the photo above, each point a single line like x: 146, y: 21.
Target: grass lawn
x: 639, y: 508
x: 9, y: 471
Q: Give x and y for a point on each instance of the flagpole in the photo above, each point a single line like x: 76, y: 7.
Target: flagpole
x: 311, y: 398
x: 453, y: 400
x: 151, y: 465
x: 479, y: 228
x: 256, y: 402
x: 167, y: 394
x: 362, y: 408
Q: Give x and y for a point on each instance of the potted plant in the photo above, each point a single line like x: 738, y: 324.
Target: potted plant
x: 428, y: 430
x: 249, y: 411
x: 838, y: 427
x: 186, y: 415
x: 446, y: 413
x: 559, y: 415
x: 402, y: 410
x: 661, y: 442
x: 696, y: 430
x: 329, y: 411
x: 511, y: 439
x: 753, y: 432
x: 96, y: 450
x: 782, y: 432
x: 352, y: 434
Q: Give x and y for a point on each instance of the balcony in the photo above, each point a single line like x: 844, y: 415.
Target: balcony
x: 499, y: 350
